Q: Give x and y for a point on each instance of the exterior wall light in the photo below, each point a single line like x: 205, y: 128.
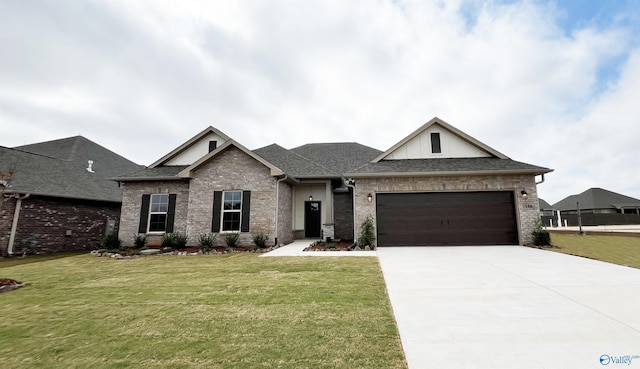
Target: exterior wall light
x: 310, y: 197
x: 524, y: 194
x: 369, y: 197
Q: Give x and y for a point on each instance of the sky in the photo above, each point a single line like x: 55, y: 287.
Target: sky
x: 550, y: 83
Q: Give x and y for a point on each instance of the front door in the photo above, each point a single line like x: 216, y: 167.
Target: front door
x: 312, y: 225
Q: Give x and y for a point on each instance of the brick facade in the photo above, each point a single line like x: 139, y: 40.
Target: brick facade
x: 285, y: 220
x: 230, y: 170
x: 527, y: 209
x: 132, y: 200
x: 58, y: 225
x: 343, y: 215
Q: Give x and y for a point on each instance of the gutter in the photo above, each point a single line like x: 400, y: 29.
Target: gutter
x: 447, y: 173
x: 14, y: 225
x: 541, y: 179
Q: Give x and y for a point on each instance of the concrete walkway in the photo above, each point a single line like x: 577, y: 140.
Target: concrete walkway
x: 295, y: 249
x: 512, y: 307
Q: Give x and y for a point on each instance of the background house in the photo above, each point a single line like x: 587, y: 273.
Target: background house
x: 548, y: 214
x: 599, y: 207
x: 59, y: 196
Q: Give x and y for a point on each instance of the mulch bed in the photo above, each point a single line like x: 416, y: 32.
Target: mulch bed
x: 342, y: 245
x: 7, y: 284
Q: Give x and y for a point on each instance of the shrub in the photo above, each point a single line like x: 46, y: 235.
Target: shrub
x: 260, y: 240
x: 541, y: 237
x: 176, y: 240
x: 140, y: 241
x: 367, y: 232
x: 206, y: 241
x: 231, y: 239
x: 111, y: 241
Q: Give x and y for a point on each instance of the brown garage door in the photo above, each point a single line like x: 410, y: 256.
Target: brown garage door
x: 446, y: 218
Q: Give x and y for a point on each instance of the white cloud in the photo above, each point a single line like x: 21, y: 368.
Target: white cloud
x: 140, y: 77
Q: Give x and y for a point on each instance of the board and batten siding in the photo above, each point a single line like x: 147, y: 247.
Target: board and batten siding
x: 452, y: 146
x: 196, y: 151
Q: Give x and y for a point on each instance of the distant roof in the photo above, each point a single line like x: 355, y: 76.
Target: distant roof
x: 59, y: 168
x: 449, y: 166
x: 544, y: 205
x: 340, y: 157
x: 596, y: 198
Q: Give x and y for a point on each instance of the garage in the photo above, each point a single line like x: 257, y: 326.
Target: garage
x: 446, y: 218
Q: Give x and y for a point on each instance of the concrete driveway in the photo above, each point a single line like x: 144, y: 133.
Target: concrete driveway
x: 512, y: 307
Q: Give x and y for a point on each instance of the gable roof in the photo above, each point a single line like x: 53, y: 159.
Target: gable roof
x: 193, y: 140
x: 474, y: 142
x: 596, y: 198
x: 544, y: 205
x: 340, y: 157
x: 59, y: 169
x: 275, y: 171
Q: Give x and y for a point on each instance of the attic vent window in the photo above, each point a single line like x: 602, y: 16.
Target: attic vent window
x: 435, y: 143
x: 213, y: 145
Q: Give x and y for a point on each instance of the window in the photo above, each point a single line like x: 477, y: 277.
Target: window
x: 231, y: 210
x: 435, y: 143
x: 213, y: 145
x: 158, y: 213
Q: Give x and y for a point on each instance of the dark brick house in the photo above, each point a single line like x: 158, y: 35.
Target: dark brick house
x: 599, y: 207
x: 437, y: 186
x: 57, y: 195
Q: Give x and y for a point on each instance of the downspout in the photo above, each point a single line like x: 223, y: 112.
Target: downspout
x: 277, y: 207
x: 351, y: 184
x: 14, y: 225
x: 541, y: 179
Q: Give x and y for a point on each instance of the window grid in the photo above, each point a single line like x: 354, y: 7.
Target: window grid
x: 158, y: 209
x: 231, y: 211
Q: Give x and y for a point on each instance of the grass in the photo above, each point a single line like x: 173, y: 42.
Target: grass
x: 218, y: 311
x: 612, y: 249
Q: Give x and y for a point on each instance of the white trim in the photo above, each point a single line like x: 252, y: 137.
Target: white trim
x: 157, y: 212
x: 223, y: 211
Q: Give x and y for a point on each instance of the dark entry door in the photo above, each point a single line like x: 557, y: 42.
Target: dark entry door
x: 448, y: 218
x: 312, y: 225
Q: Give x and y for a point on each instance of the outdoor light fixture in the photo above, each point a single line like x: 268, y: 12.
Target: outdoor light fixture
x: 524, y: 194
x: 369, y: 197
x: 310, y: 197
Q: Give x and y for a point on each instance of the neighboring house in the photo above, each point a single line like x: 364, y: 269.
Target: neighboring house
x: 438, y: 186
x: 599, y: 207
x: 548, y: 215
x: 59, y: 196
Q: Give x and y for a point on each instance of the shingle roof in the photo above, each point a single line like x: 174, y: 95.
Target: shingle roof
x: 294, y: 164
x: 166, y: 172
x: 544, y: 205
x: 446, y: 166
x: 58, y: 168
x: 596, y: 198
x: 340, y: 157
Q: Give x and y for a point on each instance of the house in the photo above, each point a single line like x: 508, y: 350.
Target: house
x: 58, y: 196
x: 437, y: 186
x: 548, y: 215
x: 599, y: 207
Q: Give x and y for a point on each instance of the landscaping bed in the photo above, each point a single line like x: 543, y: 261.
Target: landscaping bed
x: 7, y: 284
x: 339, y: 245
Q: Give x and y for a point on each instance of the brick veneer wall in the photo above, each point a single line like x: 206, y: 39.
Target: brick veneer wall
x: 7, y: 208
x: 132, y: 200
x: 49, y: 219
x: 528, y: 211
x: 343, y: 215
x: 285, y: 219
x: 232, y: 170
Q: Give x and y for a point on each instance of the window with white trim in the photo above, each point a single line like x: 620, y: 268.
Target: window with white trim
x: 231, y: 211
x: 158, y: 208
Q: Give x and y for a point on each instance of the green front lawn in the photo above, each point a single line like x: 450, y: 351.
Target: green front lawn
x: 218, y: 311
x: 612, y: 249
